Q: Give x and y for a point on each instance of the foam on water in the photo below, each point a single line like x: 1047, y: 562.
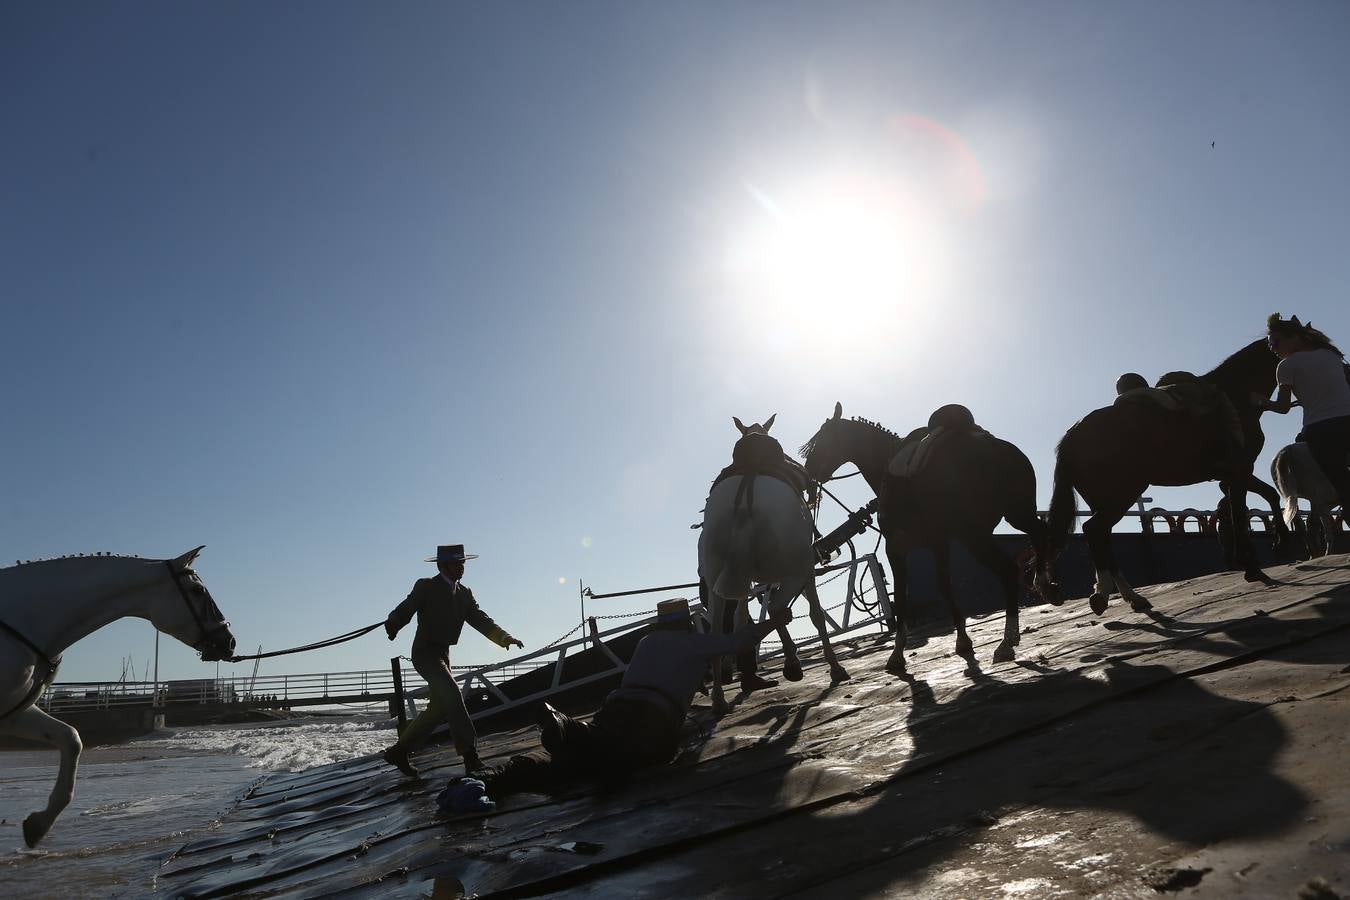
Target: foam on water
x: 285, y: 747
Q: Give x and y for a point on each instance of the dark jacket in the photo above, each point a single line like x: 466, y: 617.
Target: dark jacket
x: 441, y: 614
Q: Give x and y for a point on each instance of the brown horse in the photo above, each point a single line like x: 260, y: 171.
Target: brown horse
x: 1113, y: 454
x: 969, y: 483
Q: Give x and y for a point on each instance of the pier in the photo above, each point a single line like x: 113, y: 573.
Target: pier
x: 1200, y: 746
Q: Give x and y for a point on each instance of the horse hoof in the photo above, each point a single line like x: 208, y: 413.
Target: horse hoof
x: 1258, y: 575
x: 1139, y: 604
x: 1098, y: 603
x: 1054, y: 595
x: 965, y: 649
x: 792, y: 670
x: 752, y: 683
x: 896, y: 664
x: 1004, y: 653
x: 33, y: 830
x: 838, y: 674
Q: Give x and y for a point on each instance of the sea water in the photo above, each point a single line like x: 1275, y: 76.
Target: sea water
x: 136, y: 803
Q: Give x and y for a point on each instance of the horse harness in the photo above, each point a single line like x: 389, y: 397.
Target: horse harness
x: 39, y: 684
x: 184, y: 585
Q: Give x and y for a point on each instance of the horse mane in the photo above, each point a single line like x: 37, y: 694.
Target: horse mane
x: 51, y: 559
x: 1241, y: 360
x: 806, y: 449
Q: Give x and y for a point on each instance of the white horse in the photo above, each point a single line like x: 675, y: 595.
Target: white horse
x: 1297, y: 474
x: 759, y: 534
x: 48, y: 605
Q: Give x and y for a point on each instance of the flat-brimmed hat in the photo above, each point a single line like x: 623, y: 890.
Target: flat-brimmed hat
x: 451, y: 553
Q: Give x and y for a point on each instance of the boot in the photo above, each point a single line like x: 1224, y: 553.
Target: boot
x: 748, y: 666
x: 472, y: 762
x: 397, y: 757
x: 551, y: 725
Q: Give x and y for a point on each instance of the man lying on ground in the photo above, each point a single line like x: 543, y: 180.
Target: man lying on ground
x: 639, y: 724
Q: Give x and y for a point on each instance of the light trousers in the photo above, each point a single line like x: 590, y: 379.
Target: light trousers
x: 445, y: 703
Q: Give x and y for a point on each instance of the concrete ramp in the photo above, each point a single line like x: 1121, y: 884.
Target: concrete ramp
x: 1201, y: 748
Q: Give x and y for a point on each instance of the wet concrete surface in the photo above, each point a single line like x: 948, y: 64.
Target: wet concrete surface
x: 1200, y: 749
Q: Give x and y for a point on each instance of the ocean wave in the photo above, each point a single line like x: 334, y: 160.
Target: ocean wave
x: 285, y: 747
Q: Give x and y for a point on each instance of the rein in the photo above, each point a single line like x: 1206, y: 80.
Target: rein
x: 317, y: 645
x: 871, y: 507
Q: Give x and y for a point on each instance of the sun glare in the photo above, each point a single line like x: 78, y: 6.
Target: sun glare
x: 834, y: 260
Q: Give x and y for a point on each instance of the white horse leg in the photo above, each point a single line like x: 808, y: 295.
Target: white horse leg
x: 1133, y: 597
x: 35, y: 725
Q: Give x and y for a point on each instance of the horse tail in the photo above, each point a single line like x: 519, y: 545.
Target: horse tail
x: 1063, y: 503
x: 1281, y: 472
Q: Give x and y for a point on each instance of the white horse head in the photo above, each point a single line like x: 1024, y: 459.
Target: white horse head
x: 48, y: 605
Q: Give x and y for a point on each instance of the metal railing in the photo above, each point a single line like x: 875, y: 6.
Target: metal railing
x: 865, y: 603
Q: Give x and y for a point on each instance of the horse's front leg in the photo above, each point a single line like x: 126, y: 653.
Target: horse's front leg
x: 1236, y: 492
x: 895, y: 555
x: 837, y: 672
x: 35, y: 725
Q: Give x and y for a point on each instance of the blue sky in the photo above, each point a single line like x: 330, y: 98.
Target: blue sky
x: 321, y: 285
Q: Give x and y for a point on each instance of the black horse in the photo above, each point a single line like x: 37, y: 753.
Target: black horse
x: 970, y: 481
x: 1113, y: 454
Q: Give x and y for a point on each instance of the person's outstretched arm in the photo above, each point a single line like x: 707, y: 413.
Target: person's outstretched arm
x: 746, y: 638
x: 404, y: 612
x: 484, y: 624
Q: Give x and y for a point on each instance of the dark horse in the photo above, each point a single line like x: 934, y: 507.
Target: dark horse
x: 1113, y: 454
x: 968, y: 484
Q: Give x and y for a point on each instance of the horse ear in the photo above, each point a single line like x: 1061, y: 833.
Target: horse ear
x: 187, y: 558
x: 1294, y: 320
x: 768, y: 423
x: 838, y: 410
x: 739, y: 426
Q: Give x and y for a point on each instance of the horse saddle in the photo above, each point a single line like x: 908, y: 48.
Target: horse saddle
x: 1183, y: 392
x: 920, y: 445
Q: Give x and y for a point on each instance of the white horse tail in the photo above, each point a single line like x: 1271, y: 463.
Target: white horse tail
x: 1281, y: 472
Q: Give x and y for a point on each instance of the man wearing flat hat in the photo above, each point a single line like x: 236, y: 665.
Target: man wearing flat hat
x: 442, y: 605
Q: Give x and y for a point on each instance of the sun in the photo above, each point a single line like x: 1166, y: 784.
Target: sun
x: 834, y: 259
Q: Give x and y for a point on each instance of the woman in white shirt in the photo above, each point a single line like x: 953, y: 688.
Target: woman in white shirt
x: 1313, y: 369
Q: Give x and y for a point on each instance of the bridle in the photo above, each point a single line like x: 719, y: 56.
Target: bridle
x: 186, y: 585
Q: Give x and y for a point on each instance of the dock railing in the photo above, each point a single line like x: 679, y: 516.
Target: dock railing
x: 865, y: 602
